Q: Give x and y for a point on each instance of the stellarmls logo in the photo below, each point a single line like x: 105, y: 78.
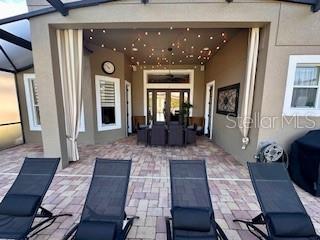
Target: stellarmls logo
x: 271, y: 122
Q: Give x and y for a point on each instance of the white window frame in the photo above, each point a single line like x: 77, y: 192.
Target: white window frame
x: 30, y: 101
x: 28, y: 77
x: 294, y: 60
x: 100, y: 125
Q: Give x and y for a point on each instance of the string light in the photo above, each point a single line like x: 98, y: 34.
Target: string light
x: 114, y: 49
x: 211, y: 37
x: 104, y: 31
x: 102, y: 45
x: 188, y: 29
x: 90, y: 37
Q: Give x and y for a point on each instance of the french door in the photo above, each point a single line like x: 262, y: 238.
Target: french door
x: 166, y: 105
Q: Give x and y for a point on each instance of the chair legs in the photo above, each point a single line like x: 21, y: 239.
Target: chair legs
x: 50, y: 219
x: 128, y: 226
x: 253, y: 229
x: 168, y: 228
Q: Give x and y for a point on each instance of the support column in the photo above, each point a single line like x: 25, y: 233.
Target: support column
x: 45, y: 58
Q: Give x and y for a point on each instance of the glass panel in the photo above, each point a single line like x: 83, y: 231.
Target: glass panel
x: 107, y: 98
x: 10, y: 134
x: 161, y: 106
x: 186, y: 97
x: 304, y: 97
x: 150, y: 107
x: 169, y: 78
x: 174, y: 106
x: 307, y: 76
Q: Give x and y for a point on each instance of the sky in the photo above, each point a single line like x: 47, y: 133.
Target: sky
x: 10, y: 8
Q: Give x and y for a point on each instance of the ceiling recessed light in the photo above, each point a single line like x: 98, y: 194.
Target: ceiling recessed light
x: 146, y: 33
x: 102, y: 45
x: 114, y: 49
x: 224, y: 41
x: 223, y: 34
x: 218, y: 48
x: 135, y: 49
x: 90, y: 37
x: 171, y: 28
x: 91, y: 30
x: 124, y: 48
x: 211, y: 37
x: 188, y: 29
x: 159, y: 33
x: 199, y: 35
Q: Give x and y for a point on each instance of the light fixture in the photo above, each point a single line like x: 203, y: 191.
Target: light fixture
x: 132, y: 57
x: 114, y: 49
x: 218, y: 48
x: 187, y: 56
x: 173, y: 44
x: 191, y: 56
x: 149, y: 56
x: 211, y: 37
x: 224, y: 41
x: 135, y: 49
x: 182, y: 51
x: 146, y: 33
x: 91, y: 30
x: 104, y: 31
x: 201, y: 63
x: 192, y: 47
x: 223, y: 34
x: 180, y: 61
x: 144, y: 62
x: 159, y: 33
x: 172, y: 54
x: 90, y: 37
x: 199, y: 35
x: 206, y: 49
x: 162, y: 50
x: 195, y: 67
x: 185, y: 39
x: 152, y: 49
x: 132, y: 44
x: 144, y: 45
x: 171, y: 28
x: 102, y: 45
x: 124, y: 48
x: 201, y: 51
x: 188, y: 29
x: 139, y: 39
x: 172, y: 63
x: 152, y: 66
x: 199, y: 57
x: 138, y: 63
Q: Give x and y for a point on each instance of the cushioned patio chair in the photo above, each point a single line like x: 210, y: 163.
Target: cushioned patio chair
x: 282, y: 211
x: 103, y: 214
x: 142, y: 134
x: 175, y: 135
x: 192, y: 213
x: 22, y: 203
x: 190, y: 135
x: 158, y: 135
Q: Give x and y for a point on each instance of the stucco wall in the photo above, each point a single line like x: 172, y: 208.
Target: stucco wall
x: 293, y: 29
x: 198, y: 89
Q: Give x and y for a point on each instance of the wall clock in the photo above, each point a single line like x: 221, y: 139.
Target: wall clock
x: 108, y: 67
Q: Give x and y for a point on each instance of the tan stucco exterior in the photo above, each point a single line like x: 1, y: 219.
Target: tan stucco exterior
x: 287, y: 29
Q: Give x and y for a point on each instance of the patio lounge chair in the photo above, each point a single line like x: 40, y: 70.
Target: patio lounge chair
x: 192, y: 213
x: 103, y: 214
x: 282, y: 211
x: 22, y: 203
x: 158, y: 135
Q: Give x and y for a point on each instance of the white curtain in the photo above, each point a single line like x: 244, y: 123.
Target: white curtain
x: 70, y: 50
x: 248, y: 92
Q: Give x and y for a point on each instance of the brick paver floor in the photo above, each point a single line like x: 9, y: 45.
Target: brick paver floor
x: 149, y: 189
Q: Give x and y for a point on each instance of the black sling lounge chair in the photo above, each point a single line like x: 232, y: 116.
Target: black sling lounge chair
x: 192, y: 213
x: 22, y: 204
x: 103, y: 213
x: 282, y: 211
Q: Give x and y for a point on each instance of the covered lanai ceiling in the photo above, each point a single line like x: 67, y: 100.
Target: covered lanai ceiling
x: 162, y: 46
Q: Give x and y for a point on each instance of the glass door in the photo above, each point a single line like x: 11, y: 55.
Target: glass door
x: 165, y: 105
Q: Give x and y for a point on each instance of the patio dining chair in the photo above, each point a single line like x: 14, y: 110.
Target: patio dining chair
x: 158, y: 135
x: 103, y: 214
x: 282, y: 211
x: 22, y: 203
x: 192, y: 212
x: 175, y: 135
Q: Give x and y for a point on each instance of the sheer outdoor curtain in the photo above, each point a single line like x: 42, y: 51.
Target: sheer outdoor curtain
x: 70, y: 50
x: 247, y: 100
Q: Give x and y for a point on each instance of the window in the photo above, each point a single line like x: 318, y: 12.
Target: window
x: 108, y: 103
x: 303, y: 86
x: 32, y: 100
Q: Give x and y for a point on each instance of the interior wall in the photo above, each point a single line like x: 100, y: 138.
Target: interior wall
x: 31, y: 137
x: 226, y: 68
x: 122, y: 72
x: 198, y: 93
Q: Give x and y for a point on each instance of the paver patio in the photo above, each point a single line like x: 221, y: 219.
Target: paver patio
x: 149, y: 193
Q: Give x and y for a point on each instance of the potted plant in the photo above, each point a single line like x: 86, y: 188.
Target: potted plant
x: 186, y: 106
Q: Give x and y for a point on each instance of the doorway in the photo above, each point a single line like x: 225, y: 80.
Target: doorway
x: 208, y: 130
x: 128, y: 101
x: 164, y: 105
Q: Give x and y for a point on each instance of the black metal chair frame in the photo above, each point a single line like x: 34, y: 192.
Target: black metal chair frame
x: 252, y: 225
x: 220, y: 234
x: 71, y: 234
x: 48, y: 216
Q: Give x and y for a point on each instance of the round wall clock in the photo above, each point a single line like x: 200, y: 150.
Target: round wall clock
x: 108, y: 67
